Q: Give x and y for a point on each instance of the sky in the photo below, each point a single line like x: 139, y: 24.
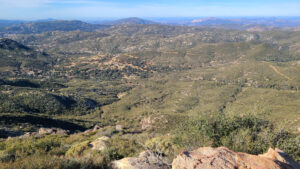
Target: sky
x: 94, y: 9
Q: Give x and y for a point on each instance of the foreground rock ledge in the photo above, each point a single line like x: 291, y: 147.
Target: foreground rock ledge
x: 210, y: 158
x: 223, y: 158
x: 146, y: 160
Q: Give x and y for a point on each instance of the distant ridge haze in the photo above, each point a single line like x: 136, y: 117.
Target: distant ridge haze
x: 130, y: 20
x: 46, y: 25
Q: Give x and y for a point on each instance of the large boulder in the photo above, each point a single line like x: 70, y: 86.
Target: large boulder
x: 146, y: 160
x: 222, y: 157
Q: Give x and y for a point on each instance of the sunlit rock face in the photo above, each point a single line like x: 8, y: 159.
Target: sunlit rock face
x: 222, y: 157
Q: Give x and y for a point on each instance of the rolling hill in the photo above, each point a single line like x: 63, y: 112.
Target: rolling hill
x: 59, y: 25
x: 17, y: 59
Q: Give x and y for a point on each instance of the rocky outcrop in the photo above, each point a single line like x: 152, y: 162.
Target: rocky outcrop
x: 95, y: 128
x: 7, y: 133
x: 100, y: 144
x: 279, y: 155
x: 222, y: 157
x: 146, y: 160
x: 47, y: 131
x: 148, y: 122
x: 119, y: 128
x: 209, y: 158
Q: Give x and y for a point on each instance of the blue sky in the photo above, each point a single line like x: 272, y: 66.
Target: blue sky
x: 93, y: 9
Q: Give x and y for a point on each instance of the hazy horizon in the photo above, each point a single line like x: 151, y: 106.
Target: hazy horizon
x: 114, y: 9
x: 156, y: 18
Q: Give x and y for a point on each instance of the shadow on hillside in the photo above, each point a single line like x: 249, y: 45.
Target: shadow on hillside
x: 40, y: 122
x: 19, y: 83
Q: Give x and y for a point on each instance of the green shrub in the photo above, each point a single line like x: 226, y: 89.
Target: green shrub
x: 239, y: 133
x: 124, y: 147
x: 162, y: 145
x: 39, y: 161
x: 119, y: 148
x: 78, y: 149
x: 20, y: 148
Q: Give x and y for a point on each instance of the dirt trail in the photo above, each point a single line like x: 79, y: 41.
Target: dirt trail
x: 279, y: 73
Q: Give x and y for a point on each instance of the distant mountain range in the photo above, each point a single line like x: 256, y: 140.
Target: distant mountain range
x: 132, y: 20
x: 246, y: 21
x: 277, y: 22
x: 59, y: 25
x: 48, y: 25
x: 5, y: 23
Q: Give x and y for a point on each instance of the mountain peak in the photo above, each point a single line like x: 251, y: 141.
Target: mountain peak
x: 131, y: 20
